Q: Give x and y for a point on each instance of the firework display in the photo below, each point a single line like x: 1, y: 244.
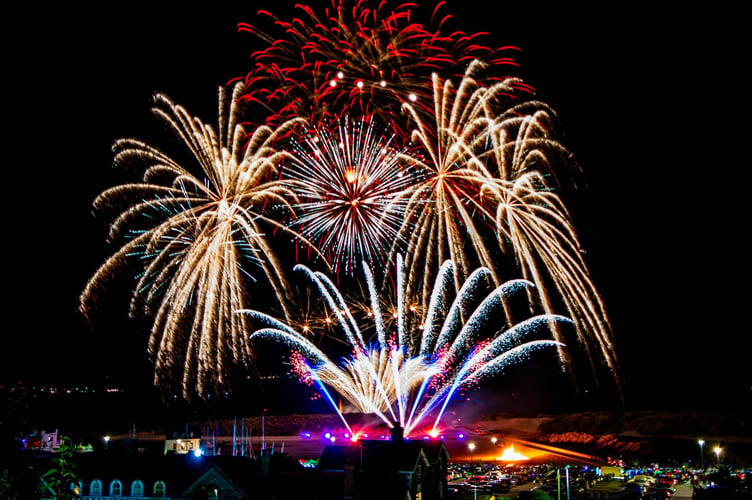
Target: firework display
x: 406, y: 375
x: 378, y: 139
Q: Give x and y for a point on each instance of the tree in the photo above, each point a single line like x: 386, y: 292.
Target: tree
x: 540, y: 495
x: 60, y: 481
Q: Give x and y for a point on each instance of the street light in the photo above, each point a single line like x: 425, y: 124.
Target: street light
x: 717, y: 451
x: 106, y: 441
x: 471, y: 447
x: 701, y: 442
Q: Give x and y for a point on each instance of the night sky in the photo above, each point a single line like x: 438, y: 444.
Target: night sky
x: 651, y: 104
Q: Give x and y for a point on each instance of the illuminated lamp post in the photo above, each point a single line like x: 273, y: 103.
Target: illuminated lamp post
x: 106, y: 441
x: 701, y: 442
x: 717, y: 451
x: 471, y: 447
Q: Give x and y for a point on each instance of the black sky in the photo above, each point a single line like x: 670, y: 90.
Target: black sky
x: 652, y: 105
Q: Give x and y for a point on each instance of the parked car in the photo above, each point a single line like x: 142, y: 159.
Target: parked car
x: 656, y: 495
x: 666, y: 480
x: 661, y: 491
x: 643, y: 480
x: 456, y: 489
x: 500, y: 486
x: 635, y: 487
x: 499, y: 476
x: 578, y: 485
x: 477, y: 480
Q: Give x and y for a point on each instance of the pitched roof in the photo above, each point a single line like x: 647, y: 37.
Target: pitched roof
x: 180, y: 473
x: 434, y: 449
x: 215, y: 475
x: 394, y: 456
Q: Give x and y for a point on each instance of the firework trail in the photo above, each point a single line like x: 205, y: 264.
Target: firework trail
x: 352, y: 57
x: 534, y: 229
x: 487, y: 199
x: 446, y: 209
x: 195, y: 234
x: 407, y: 377
x: 349, y: 182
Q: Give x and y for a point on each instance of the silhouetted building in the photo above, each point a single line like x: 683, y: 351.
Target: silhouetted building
x: 105, y: 476
x: 398, y: 469
x: 380, y: 470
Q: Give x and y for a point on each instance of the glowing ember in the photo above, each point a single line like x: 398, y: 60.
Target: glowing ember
x: 510, y: 454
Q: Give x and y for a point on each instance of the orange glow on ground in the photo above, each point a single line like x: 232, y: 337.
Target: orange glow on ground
x: 511, y: 455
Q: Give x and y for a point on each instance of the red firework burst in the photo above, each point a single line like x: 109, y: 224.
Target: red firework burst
x: 356, y: 59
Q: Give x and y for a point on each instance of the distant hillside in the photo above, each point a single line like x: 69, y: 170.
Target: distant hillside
x: 690, y: 424
x: 638, y: 435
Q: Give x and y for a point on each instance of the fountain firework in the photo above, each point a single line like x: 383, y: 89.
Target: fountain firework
x: 408, y: 377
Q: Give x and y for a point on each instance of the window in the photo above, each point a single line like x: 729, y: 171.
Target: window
x: 159, y: 489
x: 116, y: 488
x: 137, y: 488
x: 95, y: 489
x: 213, y: 493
